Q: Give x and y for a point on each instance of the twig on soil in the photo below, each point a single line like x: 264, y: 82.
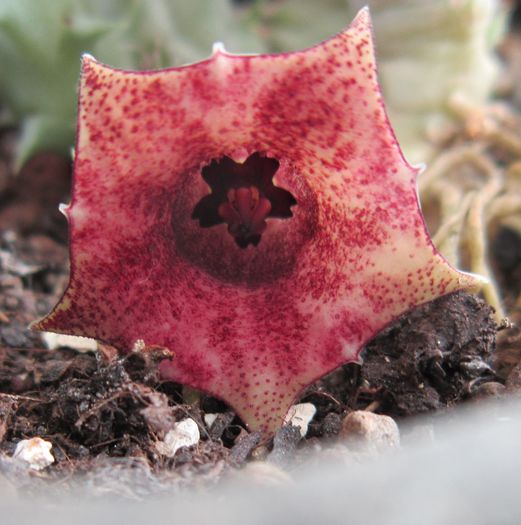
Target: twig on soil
x: 16, y: 397
x: 326, y: 395
x: 373, y: 406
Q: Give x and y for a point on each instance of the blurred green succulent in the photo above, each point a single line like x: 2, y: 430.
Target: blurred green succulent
x: 40, y: 46
x: 41, y: 42
x: 432, y: 53
x: 289, y: 25
x: 427, y: 49
x: 429, y: 52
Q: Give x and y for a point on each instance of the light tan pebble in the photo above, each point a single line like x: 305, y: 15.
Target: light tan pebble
x: 35, y: 451
x: 369, y: 432
x: 265, y: 474
x: 259, y: 453
x: 491, y: 389
x: 300, y: 415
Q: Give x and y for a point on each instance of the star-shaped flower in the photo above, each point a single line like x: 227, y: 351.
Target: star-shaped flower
x: 253, y: 214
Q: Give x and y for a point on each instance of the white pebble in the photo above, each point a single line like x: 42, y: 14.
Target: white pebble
x: 370, y: 432
x: 209, y: 419
x: 35, y: 451
x: 184, y: 434
x: 300, y: 416
x: 82, y: 344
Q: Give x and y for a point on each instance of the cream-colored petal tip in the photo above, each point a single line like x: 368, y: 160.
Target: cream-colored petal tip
x: 218, y: 48
x: 472, y: 281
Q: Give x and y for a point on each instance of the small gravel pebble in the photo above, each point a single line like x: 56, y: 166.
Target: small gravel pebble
x: 331, y: 424
x: 489, y: 390
x: 300, y: 416
x: 371, y: 432
x: 184, y: 434
x: 220, y: 424
x: 244, y: 446
x: 264, y: 474
x: 209, y: 419
x: 35, y: 451
x: 285, y: 444
x: 82, y: 344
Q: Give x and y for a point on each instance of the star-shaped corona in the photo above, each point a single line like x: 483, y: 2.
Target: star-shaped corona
x: 252, y: 214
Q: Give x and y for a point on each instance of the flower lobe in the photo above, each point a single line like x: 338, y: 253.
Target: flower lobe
x: 253, y: 214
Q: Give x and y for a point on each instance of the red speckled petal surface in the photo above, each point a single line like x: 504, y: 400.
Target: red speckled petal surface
x: 253, y: 326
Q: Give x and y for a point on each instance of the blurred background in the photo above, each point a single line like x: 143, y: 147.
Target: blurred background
x: 450, y: 72
x: 428, y: 51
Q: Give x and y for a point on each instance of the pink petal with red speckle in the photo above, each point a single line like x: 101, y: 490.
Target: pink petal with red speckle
x: 252, y: 325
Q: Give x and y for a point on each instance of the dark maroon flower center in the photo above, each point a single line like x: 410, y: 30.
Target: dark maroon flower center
x: 243, y: 196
